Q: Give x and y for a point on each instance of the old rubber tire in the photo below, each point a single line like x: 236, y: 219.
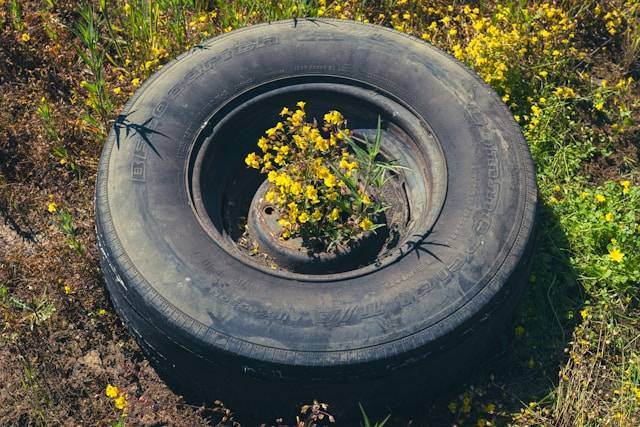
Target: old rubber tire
x: 216, y: 327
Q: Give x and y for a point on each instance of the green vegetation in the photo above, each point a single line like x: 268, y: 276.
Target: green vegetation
x: 568, y: 71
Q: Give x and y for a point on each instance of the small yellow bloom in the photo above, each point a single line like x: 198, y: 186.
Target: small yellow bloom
x: 67, y: 289
x: 600, y: 198
x: 284, y: 222
x: 625, y: 186
x: 599, y: 105
x: 270, y: 196
x: 334, y: 214
x: 263, y: 143
x: 311, y: 193
x: 271, y: 132
x: 301, y: 104
x: 52, y: 207
x: 285, y: 112
x: 112, y: 391
x: 296, y: 188
x: 536, y: 110
x: 543, y: 74
x: 252, y: 160
x: 102, y: 312
x: 316, y: 215
x: 25, y: 37
x: 609, y: 216
x: 303, y: 217
x: 120, y: 402
x: 366, y: 224
x: 332, y: 196
x: 135, y: 82
x: 330, y: 180
x: 616, y: 255
x: 126, y: 8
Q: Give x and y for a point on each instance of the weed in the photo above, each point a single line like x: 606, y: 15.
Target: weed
x: 68, y: 228
x: 366, y: 422
x: 34, y: 313
x: 93, y: 55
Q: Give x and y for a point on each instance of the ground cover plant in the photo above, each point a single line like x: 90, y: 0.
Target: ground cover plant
x: 568, y: 71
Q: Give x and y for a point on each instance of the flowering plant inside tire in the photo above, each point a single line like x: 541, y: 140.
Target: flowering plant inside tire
x: 324, y: 186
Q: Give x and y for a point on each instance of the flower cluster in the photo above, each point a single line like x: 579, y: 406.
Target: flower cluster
x: 317, y: 184
x: 117, y: 395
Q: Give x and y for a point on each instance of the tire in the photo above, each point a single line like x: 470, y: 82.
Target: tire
x: 216, y: 326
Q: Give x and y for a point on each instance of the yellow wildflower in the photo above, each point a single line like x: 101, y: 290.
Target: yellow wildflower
x: 366, y: 224
x: 303, y: 217
x: 334, y: 214
x: 625, y: 186
x: 263, y: 143
x: 316, y: 215
x: 271, y: 132
x: 301, y: 104
x: 270, y: 196
x: 252, y: 160
x: 25, y: 37
x: 117, y: 90
x: 616, y: 255
x: 321, y: 144
x: 608, y: 217
x: 285, y: 112
x: 112, y: 391
x: 102, y: 312
x: 311, y: 193
x: 126, y: 8
x: 67, y: 289
x: 52, y: 207
x: 284, y: 222
x: 600, y: 198
x: 536, y: 110
x: 120, y: 402
x: 330, y: 180
x: 135, y: 82
x: 296, y: 188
